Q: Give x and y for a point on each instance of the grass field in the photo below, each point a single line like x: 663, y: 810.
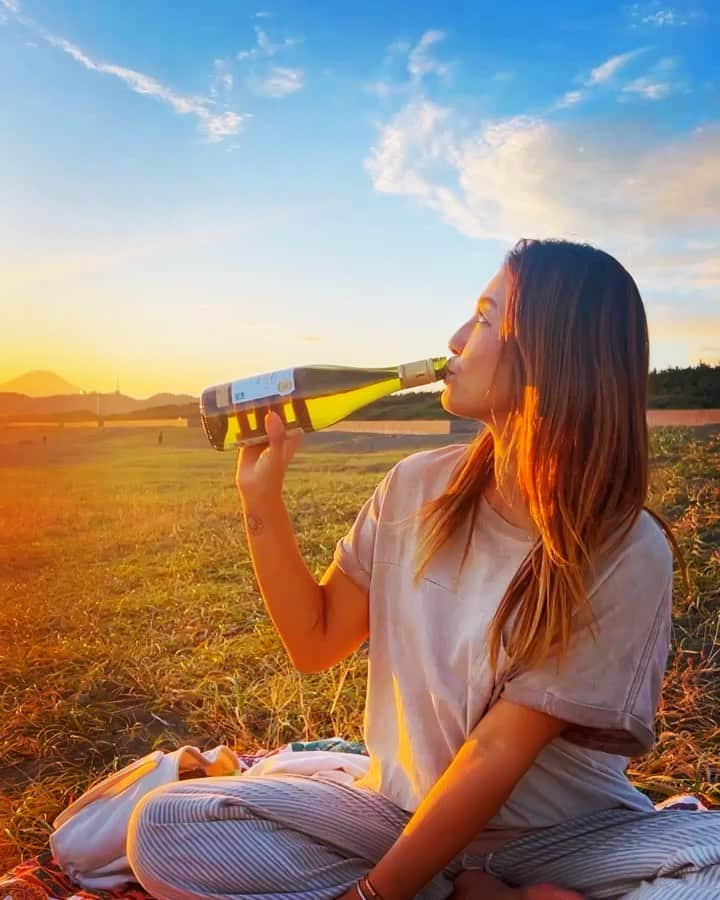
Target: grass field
x: 131, y: 621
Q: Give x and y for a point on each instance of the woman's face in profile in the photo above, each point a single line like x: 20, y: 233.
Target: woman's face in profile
x: 477, y: 385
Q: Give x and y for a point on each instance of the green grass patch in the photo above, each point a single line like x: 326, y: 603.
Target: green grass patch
x: 131, y: 619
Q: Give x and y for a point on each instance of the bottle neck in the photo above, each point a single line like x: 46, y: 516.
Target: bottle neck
x: 422, y: 371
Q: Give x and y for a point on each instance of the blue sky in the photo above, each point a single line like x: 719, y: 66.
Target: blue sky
x: 195, y: 192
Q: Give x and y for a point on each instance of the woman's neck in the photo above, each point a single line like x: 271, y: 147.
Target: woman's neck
x: 503, y: 493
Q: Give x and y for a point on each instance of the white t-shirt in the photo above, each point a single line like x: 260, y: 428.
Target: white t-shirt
x: 429, y: 680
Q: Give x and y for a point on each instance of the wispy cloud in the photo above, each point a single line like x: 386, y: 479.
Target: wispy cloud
x: 264, y: 46
x: 603, y: 73
x: 649, y: 14
x: 418, y: 62
x: 665, y: 17
x: 279, y: 82
x: 571, y: 98
x: 222, y: 81
x: 421, y: 62
x: 599, y: 76
x: 653, y: 85
x: 651, y: 90
x: 215, y: 126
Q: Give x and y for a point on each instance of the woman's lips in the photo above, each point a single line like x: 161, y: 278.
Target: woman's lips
x: 452, y: 367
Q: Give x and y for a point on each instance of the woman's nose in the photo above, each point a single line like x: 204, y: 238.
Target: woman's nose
x: 457, y: 341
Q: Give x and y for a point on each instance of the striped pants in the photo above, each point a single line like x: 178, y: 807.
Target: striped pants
x: 282, y: 836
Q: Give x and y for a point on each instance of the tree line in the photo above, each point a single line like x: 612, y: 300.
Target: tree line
x: 694, y: 387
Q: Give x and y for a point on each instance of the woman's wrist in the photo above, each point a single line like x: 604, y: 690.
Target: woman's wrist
x: 388, y: 884
x: 252, y: 501
x: 367, y: 890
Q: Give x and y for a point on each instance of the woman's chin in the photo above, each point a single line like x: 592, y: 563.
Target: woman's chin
x: 446, y: 402
x: 455, y: 406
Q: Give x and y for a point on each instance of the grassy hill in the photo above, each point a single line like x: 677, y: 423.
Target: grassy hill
x: 132, y: 620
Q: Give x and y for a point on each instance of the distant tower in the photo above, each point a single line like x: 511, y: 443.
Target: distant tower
x: 117, y: 387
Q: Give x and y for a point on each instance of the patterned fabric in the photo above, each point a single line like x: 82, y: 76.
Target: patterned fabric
x: 41, y: 877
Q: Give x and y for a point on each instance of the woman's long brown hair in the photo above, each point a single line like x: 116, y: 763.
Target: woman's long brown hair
x: 576, y: 340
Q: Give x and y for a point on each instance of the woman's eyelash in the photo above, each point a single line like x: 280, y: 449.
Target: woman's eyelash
x: 482, y: 318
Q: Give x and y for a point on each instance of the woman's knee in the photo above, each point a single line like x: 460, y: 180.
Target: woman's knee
x: 174, y: 830
x: 145, y: 850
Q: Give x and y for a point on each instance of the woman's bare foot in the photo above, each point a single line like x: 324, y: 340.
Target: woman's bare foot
x: 476, y: 885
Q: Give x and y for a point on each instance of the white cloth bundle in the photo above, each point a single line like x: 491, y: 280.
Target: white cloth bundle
x: 89, y: 840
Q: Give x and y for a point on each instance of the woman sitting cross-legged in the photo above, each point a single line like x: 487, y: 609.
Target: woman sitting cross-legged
x: 516, y: 595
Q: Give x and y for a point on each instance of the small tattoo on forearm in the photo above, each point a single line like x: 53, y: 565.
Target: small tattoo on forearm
x: 255, y: 524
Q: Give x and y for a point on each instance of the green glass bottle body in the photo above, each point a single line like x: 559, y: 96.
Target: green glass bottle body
x: 307, y: 398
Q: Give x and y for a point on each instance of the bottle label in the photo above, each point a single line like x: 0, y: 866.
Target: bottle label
x: 258, y: 387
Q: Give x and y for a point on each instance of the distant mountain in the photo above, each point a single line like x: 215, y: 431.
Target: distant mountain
x: 41, y: 394
x: 39, y: 384
x: 86, y: 406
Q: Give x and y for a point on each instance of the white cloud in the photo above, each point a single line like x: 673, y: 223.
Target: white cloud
x: 599, y: 76
x: 215, y: 126
x: 419, y: 63
x: 420, y: 60
x: 657, y: 90
x: 263, y: 14
x: 264, y: 47
x: 222, y: 81
x: 655, y: 207
x: 664, y: 17
x: 571, y: 98
x: 409, y: 144
x: 280, y: 82
x: 603, y: 73
x: 528, y: 176
x: 223, y: 125
x: 655, y: 15
x: 653, y: 85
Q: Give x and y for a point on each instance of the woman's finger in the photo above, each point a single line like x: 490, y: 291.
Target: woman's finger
x: 274, y: 428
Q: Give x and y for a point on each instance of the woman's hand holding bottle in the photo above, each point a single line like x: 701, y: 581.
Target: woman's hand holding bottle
x: 261, y: 467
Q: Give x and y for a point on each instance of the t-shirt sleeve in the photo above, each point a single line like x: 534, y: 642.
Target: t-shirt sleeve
x: 355, y: 552
x: 608, y: 687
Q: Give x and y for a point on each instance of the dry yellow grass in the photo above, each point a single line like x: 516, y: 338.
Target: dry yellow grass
x: 131, y: 621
